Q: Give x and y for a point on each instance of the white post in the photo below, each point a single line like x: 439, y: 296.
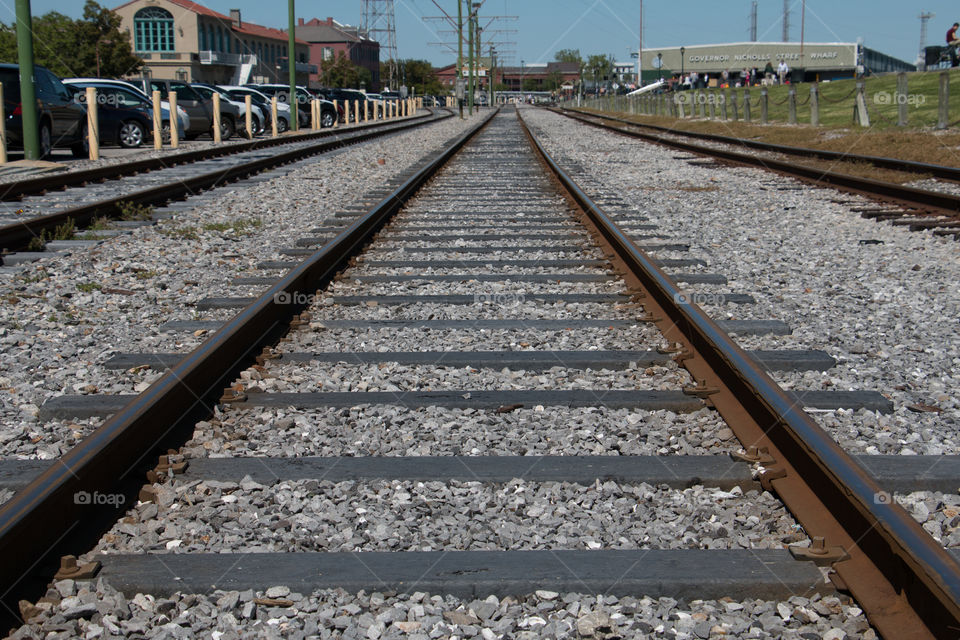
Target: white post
x: 248, y: 105
x: 174, y: 121
x: 157, y: 122
x: 93, y: 124
x: 273, y: 115
x: 216, y: 118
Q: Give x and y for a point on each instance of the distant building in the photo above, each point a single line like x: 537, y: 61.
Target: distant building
x: 535, y: 76
x: 183, y: 40
x: 811, y: 61
x: 328, y: 38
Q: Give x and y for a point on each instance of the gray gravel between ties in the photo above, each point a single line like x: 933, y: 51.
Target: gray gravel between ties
x: 886, y: 310
x: 60, y: 319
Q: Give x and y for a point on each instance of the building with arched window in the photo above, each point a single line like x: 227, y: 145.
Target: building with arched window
x: 181, y: 39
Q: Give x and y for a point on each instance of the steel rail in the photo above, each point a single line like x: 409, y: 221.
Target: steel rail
x: 44, y: 520
x: 907, y: 166
x: 928, y: 201
x: 18, y: 235
x: 906, y: 582
x: 43, y: 184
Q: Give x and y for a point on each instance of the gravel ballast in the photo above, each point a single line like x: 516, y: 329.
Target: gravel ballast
x: 880, y: 299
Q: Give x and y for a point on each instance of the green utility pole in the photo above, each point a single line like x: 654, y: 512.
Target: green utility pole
x: 493, y: 75
x: 460, y: 51
x: 28, y: 95
x: 479, y: 58
x: 471, y: 72
x: 292, y: 65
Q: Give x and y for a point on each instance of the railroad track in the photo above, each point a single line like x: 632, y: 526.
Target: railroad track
x: 499, y: 354
x: 918, y: 209
x: 40, y: 206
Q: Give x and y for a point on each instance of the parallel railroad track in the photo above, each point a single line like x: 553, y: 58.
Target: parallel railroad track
x: 104, y: 191
x: 441, y: 274
x: 919, y: 209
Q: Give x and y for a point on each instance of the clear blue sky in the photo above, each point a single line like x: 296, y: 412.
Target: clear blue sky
x: 609, y: 26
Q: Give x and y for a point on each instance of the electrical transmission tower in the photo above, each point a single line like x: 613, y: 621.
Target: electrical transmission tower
x: 753, y: 21
x: 786, y: 20
x: 924, y: 19
x: 380, y: 24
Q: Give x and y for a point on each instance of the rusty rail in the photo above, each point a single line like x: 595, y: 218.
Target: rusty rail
x: 908, y: 585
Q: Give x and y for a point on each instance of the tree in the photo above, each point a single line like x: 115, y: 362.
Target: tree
x: 568, y: 55
x: 600, y: 67
x: 69, y: 47
x: 343, y: 74
x: 421, y: 76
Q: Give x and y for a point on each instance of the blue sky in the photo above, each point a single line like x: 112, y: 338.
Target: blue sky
x: 609, y: 26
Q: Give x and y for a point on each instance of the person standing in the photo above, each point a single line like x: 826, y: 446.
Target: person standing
x: 782, y: 71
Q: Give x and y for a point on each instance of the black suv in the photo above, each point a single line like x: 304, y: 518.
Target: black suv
x: 61, y: 121
x: 348, y: 97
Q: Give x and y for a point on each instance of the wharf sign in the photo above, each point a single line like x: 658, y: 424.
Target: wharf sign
x: 716, y: 58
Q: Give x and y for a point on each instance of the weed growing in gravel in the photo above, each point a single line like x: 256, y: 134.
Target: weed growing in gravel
x: 99, y: 224
x: 135, y: 211
x: 181, y: 233
x: 241, y: 226
x: 63, y: 231
x: 40, y: 275
x: 89, y: 287
x: 145, y: 275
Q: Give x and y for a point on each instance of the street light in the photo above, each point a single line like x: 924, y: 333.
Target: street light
x: 683, y: 50
x: 659, y: 67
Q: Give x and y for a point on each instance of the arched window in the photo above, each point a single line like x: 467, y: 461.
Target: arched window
x: 203, y: 38
x: 229, y: 42
x: 153, y: 30
x: 211, y: 38
x: 220, y: 39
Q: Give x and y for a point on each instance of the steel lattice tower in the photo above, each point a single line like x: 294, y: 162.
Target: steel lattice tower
x: 380, y: 25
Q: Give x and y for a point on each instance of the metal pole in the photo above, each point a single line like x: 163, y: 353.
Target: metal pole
x: 460, y: 49
x: 28, y: 94
x: 493, y: 66
x: 470, y: 54
x: 292, y: 64
x: 640, y: 51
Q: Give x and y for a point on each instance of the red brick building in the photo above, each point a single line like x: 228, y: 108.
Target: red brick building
x: 328, y: 38
x: 536, y: 77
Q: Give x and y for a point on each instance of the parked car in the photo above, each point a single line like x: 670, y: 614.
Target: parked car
x: 263, y: 101
x: 328, y: 114
x: 200, y: 109
x: 61, y: 122
x: 126, y: 84
x: 256, y: 115
x: 348, y: 97
x: 124, y: 115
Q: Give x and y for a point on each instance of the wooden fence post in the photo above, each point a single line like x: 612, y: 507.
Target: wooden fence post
x: 273, y: 116
x: 734, y: 108
x: 764, y: 105
x: 93, y: 124
x: 157, y: 122
x: 725, y: 95
x: 860, y: 113
x: 747, y: 116
x: 943, y: 112
x: 902, y: 99
x: 792, y: 97
x: 174, y: 121
x: 217, y: 138
x: 248, y: 107
x: 815, y: 104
